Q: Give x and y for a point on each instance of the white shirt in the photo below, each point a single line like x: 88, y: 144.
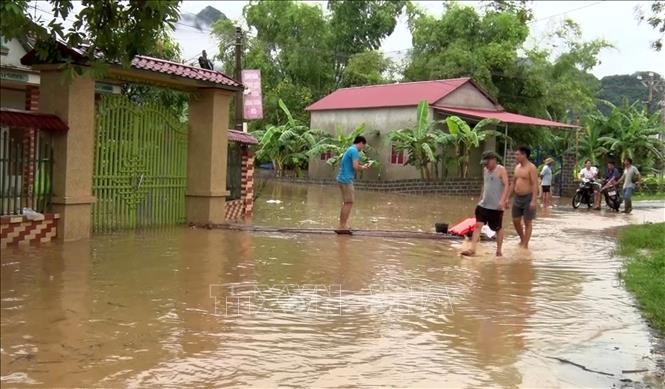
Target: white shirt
x: 589, y: 174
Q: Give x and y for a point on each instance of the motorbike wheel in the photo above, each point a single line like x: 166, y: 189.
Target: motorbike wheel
x: 577, y: 200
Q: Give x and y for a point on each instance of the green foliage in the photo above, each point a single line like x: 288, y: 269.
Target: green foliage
x: 656, y: 19
x: 629, y: 131
x: 112, y: 30
x: 285, y: 145
x: 303, y: 52
x: 465, y: 138
x: 615, y: 88
x: 644, y: 269
x: 338, y: 144
x: 420, y: 142
x: 367, y: 68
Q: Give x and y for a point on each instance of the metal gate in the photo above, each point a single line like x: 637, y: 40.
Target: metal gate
x: 140, y: 165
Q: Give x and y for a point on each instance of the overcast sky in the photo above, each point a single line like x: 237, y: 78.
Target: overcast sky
x: 612, y: 20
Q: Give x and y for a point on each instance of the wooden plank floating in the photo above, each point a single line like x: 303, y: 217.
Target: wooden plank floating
x: 327, y: 231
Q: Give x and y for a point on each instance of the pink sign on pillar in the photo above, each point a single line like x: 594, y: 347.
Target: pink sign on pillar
x: 253, y: 105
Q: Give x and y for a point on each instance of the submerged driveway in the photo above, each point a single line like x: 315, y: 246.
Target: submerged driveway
x: 185, y: 307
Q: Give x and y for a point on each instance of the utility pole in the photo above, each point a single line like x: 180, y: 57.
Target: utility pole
x: 239, y: 94
x: 651, y: 84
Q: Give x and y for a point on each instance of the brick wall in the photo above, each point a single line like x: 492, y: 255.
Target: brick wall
x: 451, y: 186
x: 18, y: 230
x: 568, y: 181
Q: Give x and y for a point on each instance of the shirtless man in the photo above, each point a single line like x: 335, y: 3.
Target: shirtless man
x: 525, y: 189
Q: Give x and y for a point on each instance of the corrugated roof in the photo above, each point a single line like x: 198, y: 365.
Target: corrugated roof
x: 182, y: 70
x: 503, y: 116
x: 242, y: 137
x: 388, y: 95
x: 30, y: 119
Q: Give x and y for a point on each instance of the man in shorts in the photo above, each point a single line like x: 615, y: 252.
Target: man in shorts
x: 546, y: 183
x: 348, y: 166
x: 493, y: 200
x: 525, y: 189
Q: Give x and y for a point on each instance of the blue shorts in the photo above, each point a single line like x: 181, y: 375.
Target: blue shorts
x: 628, y: 193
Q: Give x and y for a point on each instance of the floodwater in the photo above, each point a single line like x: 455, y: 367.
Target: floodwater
x: 189, y: 307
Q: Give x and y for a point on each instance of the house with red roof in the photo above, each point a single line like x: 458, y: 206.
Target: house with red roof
x: 388, y: 107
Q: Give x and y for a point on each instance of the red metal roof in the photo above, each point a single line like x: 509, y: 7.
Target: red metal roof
x: 178, y: 69
x: 388, y: 95
x: 30, y: 119
x: 503, y: 116
x: 242, y: 137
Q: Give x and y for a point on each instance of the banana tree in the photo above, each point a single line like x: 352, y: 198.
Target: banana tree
x: 336, y: 145
x: 464, y: 138
x: 419, y: 142
x: 285, y: 145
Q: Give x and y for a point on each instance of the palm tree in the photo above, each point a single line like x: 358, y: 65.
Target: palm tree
x: 285, y: 145
x: 465, y: 138
x: 632, y: 132
x: 591, y: 146
x: 420, y: 142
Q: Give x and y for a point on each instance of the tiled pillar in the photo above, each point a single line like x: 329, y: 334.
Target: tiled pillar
x: 207, y: 150
x: 247, y: 182
x: 29, y: 144
x: 73, y: 100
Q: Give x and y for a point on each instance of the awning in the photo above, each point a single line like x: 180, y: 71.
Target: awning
x: 242, y: 137
x: 503, y: 116
x: 18, y: 118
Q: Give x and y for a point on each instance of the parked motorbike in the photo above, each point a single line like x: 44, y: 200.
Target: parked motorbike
x: 612, y: 194
x: 584, y: 194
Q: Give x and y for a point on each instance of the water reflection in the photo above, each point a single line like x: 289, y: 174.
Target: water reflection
x: 193, y: 307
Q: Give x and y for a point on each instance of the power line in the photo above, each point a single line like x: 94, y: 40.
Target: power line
x: 565, y: 12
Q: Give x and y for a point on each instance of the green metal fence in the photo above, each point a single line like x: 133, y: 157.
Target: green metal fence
x: 140, y: 166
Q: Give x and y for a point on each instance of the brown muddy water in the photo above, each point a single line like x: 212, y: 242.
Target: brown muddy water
x: 189, y: 307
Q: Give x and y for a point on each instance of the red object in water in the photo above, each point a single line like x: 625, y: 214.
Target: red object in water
x: 464, y: 227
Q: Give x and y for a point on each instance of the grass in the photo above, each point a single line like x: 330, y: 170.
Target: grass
x: 649, y: 196
x: 644, y: 269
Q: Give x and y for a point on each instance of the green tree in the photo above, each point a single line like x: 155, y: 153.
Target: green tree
x: 303, y: 52
x: 465, y: 138
x: 107, y: 30
x: 655, y: 17
x: 367, y: 68
x: 337, y: 145
x: 419, y: 142
x: 285, y: 145
x: 633, y: 133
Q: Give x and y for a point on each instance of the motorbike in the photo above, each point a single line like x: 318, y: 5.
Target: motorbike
x: 584, y: 194
x: 612, y: 194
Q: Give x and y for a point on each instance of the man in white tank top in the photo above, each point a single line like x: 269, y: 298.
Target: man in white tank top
x: 493, y: 200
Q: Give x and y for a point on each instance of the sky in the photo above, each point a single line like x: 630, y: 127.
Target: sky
x: 614, y: 21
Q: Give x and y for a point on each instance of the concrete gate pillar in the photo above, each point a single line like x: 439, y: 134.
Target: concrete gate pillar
x: 73, y: 152
x: 207, y: 151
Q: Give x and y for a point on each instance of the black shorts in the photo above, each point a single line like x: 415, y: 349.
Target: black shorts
x: 491, y: 217
x: 546, y: 188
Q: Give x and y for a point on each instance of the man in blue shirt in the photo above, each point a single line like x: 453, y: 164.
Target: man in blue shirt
x: 348, y: 166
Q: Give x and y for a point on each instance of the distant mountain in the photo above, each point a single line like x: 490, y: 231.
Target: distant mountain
x: 615, y: 88
x: 204, y: 19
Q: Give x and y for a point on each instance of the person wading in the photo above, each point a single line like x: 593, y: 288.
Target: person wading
x: 348, y: 166
x: 546, y: 183
x: 525, y: 189
x: 493, y: 200
x: 631, y: 180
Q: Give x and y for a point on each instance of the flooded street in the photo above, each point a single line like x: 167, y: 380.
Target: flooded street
x: 192, y: 307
